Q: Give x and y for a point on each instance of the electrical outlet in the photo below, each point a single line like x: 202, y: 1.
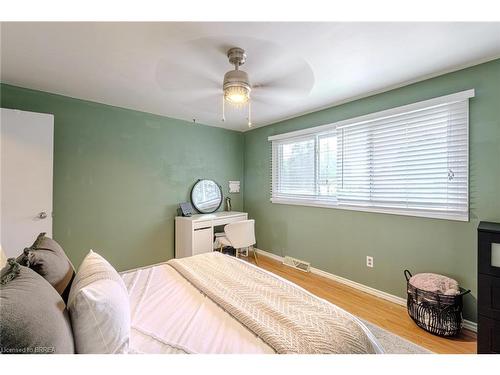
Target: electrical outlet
x: 369, y: 261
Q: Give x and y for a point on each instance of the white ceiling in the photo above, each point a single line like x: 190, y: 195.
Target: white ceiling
x: 176, y: 69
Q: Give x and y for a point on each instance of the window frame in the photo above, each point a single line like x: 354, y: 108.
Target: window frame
x: 333, y: 203
x: 305, y: 198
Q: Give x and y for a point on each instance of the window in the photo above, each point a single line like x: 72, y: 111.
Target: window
x: 411, y: 160
x: 304, y: 168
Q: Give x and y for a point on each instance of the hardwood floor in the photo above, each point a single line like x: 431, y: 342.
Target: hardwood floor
x: 385, y: 314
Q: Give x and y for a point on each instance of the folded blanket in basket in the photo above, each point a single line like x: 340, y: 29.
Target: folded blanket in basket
x: 432, y: 282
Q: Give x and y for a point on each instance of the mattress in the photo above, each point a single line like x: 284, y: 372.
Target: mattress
x: 170, y: 316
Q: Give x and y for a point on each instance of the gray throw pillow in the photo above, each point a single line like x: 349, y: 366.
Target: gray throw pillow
x: 33, y: 315
x: 48, y: 259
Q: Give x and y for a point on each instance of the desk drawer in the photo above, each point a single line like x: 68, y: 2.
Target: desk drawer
x: 227, y: 220
x: 202, y: 224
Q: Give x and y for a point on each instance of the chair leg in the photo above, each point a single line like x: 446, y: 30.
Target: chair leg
x: 255, y: 256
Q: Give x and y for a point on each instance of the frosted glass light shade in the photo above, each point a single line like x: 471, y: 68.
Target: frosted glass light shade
x: 495, y: 254
x: 237, y: 94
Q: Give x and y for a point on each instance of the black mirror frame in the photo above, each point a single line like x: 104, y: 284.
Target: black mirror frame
x: 221, y: 195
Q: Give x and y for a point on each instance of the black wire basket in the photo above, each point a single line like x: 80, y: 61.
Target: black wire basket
x: 438, y: 314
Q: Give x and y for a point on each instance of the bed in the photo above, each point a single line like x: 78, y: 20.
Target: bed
x: 173, y: 313
x: 207, y: 303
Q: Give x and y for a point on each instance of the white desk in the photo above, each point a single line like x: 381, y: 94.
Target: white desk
x: 195, y: 234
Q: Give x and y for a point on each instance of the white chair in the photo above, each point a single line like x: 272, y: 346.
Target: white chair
x: 240, y: 235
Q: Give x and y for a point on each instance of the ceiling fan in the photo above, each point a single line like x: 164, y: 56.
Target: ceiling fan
x: 236, y: 86
x: 275, y: 76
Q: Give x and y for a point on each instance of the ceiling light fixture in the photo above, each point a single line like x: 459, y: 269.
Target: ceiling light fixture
x: 236, y: 86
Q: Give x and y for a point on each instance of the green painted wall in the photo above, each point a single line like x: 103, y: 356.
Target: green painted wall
x: 120, y: 174
x: 338, y: 241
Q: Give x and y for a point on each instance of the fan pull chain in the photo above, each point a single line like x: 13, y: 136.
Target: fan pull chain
x: 223, y: 109
x: 249, y: 114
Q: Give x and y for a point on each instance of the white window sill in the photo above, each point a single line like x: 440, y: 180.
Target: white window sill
x: 392, y: 211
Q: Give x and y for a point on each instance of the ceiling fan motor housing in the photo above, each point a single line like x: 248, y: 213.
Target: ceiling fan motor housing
x: 236, y: 85
x: 236, y: 78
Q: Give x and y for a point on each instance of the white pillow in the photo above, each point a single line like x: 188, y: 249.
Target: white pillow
x: 99, y: 307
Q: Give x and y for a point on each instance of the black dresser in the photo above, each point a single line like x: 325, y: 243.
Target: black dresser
x: 488, y: 298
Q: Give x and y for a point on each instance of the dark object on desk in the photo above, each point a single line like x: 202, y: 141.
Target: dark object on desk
x: 437, y: 313
x: 488, y: 296
x: 185, y: 209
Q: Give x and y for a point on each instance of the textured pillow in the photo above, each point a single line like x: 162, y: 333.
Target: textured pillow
x: 99, y: 308
x: 48, y: 259
x: 33, y: 315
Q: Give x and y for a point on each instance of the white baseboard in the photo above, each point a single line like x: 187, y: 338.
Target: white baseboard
x: 472, y: 326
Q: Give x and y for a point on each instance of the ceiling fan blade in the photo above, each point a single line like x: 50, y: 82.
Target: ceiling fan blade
x: 178, y: 79
x: 195, y: 79
x: 203, y: 64
x: 292, y: 81
x: 278, y: 93
x: 211, y: 103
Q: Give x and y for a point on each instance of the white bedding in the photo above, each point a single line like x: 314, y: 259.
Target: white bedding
x: 169, y: 315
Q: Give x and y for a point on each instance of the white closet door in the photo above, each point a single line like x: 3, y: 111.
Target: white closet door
x: 26, y: 149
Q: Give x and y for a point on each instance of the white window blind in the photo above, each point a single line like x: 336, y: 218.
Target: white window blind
x: 411, y: 160
x: 304, y: 168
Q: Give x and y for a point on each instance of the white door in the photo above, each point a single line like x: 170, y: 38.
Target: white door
x: 26, y: 168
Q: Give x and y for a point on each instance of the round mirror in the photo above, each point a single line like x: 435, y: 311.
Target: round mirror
x: 206, y: 196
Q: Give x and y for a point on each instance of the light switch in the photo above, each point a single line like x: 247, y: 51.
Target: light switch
x: 495, y: 254
x: 234, y: 186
